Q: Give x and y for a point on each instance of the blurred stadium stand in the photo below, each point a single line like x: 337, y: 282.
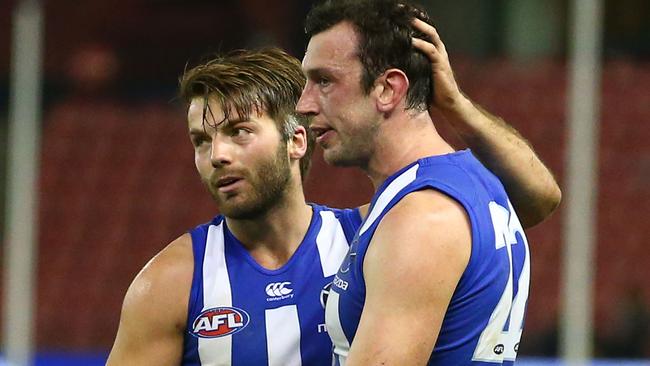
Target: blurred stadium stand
x: 118, y: 182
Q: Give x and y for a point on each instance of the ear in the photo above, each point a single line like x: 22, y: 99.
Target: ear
x: 391, y: 88
x: 297, y: 145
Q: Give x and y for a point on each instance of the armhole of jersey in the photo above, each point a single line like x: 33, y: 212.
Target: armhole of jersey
x: 471, y: 214
x: 198, y: 235
x: 449, y: 192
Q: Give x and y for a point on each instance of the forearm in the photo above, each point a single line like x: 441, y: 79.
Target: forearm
x: 531, y: 186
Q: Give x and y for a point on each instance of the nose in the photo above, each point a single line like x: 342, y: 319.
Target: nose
x: 220, y: 152
x: 307, y: 104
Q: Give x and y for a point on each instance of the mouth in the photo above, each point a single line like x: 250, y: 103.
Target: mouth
x: 228, y: 183
x: 322, y: 133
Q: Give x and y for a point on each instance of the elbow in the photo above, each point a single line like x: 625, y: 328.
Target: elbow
x: 554, y: 199
x: 547, y: 203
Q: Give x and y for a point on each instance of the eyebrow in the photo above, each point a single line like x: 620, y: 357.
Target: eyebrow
x: 225, y: 123
x: 196, y: 131
x: 318, y: 71
x: 234, y: 121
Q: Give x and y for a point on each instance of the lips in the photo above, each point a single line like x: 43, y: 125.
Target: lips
x: 227, y: 183
x: 322, y: 133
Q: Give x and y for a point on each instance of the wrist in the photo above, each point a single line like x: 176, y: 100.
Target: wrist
x: 459, y: 108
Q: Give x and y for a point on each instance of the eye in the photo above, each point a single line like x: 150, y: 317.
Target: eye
x: 240, y: 132
x: 197, y: 141
x: 323, y: 82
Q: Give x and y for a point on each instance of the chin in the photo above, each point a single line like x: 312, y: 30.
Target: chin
x: 246, y: 208
x: 340, y: 159
x: 242, y: 211
x: 333, y: 157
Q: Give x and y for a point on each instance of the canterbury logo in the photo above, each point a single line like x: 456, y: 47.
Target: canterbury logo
x: 278, y: 289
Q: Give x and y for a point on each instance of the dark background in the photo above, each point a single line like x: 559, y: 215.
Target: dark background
x: 117, y: 180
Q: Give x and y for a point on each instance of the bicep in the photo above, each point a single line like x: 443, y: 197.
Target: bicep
x: 153, y: 313
x: 411, y: 270
x: 143, y: 340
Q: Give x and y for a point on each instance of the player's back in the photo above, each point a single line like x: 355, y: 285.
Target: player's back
x: 243, y: 314
x: 484, y: 318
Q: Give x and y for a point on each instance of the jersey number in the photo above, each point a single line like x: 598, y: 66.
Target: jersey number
x: 499, y: 340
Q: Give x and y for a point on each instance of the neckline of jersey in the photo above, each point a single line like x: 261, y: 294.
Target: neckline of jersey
x: 309, y: 236
x: 429, y: 160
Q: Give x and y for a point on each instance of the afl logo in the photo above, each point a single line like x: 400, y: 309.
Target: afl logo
x: 219, y: 322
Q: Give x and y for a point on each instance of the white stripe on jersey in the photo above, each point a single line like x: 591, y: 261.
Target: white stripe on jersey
x: 332, y: 244
x: 283, y: 336
x: 388, y: 194
x: 519, y: 302
x: 335, y: 329
x: 216, y: 293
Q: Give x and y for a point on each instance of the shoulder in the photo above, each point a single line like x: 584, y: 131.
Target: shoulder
x: 459, y: 175
x: 161, y: 289
x: 424, y: 227
x: 155, y: 309
x: 425, y: 209
x: 413, y: 265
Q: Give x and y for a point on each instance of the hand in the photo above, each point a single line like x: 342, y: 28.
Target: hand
x: 446, y: 94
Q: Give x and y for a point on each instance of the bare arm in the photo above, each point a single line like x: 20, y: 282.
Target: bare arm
x: 530, y: 185
x: 154, y: 310
x: 404, y: 307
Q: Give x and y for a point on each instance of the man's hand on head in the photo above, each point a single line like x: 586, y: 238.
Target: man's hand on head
x: 447, y: 97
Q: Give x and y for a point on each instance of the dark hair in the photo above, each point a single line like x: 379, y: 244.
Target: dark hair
x: 385, y: 31
x: 245, y: 82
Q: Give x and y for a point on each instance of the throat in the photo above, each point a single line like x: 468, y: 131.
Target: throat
x: 273, y: 240
x: 392, y: 154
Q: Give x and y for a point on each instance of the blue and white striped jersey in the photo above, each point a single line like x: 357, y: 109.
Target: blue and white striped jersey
x: 483, y: 323
x: 243, y: 314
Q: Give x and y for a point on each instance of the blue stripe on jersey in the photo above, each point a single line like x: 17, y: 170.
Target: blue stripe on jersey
x: 498, y: 262
x: 350, y: 220
x: 195, y: 305
x: 286, y: 318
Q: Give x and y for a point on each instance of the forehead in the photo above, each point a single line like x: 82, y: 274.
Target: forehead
x: 215, y: 114
x: 195, y: 112
x: 334, y: 48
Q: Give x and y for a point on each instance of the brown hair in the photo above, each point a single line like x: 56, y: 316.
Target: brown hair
x: 385, y: 31
x: 252, y: 81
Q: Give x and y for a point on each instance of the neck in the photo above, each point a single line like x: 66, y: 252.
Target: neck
x: 401, y: 140
x: 274, y: 236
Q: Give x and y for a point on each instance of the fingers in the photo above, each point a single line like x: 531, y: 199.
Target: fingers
x: 431, y: 32
x: 427, y: 48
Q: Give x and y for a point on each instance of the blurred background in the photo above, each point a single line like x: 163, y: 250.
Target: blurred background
x: 116, y: 180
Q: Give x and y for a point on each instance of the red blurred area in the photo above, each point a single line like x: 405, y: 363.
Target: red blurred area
x: 118, y: 183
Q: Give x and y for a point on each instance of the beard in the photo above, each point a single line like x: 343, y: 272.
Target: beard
x: 268, y: 182
x: 352, y: 151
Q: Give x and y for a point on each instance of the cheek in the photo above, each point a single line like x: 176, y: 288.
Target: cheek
x: 202, y: 162
x: 336, y: 110
x: 353, y: 115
